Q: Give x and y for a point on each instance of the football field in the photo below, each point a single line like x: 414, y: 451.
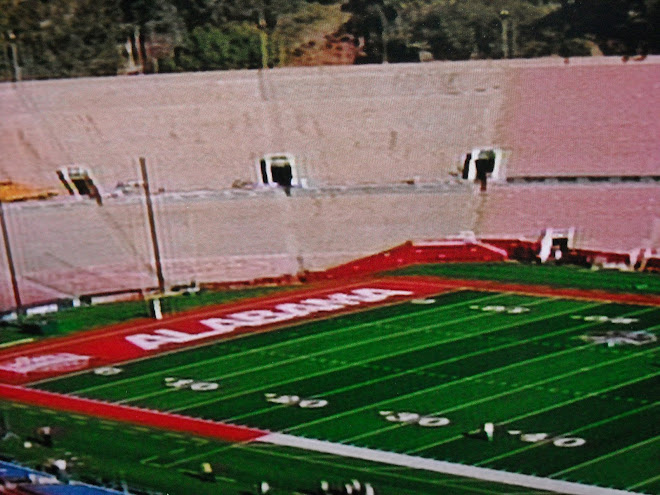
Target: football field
x: 534, y: 388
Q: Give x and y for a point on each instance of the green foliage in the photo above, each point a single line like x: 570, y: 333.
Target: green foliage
x: 235, y: 46
x: 71, y: 38
x: 65, y: 38
x: 297, y: 29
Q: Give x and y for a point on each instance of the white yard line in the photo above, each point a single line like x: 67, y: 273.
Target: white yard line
x: 347, y: 364
x: 438, y: 387
x: 645, y: 482
x: 436, y: 466
x: 608, y: 456
x: 290, y: 342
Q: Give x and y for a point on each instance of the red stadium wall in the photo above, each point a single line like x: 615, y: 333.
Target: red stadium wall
x: 413, y: 253
x: 460, y: 251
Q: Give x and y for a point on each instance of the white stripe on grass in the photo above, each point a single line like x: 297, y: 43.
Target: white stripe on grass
x: 398, y: 473
x: 419, y: 369
x: 481, y: 400
x: 549, y: 408
x: 438, y: 387
x: 289, y: 342
x: 644, y: 482
x: 606, y: 456
x: 436, y: 466
x: 352, y: 344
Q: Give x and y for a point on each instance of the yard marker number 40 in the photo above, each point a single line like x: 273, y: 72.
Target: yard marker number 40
x: 557, y: 442
x: 414, y: 419
x: 294, y: 400
x: 185, y: 383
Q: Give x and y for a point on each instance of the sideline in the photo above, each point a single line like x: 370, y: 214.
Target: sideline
x: 404, y: 460
x: 130, y: 414
x: 235, y: 433
x: 126, y: 342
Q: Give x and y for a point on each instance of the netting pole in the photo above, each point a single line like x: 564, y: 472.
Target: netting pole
x: 10, y: 259
x: 152, y: 226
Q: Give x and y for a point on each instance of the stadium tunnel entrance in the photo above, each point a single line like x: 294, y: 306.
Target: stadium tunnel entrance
x: 280, y: 170
x: 79, y: 182
x: 482, y: 164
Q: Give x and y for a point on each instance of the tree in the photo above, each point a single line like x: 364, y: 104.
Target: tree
x: 66, y: 38
x: 370, y: 21
x: 235, y: 46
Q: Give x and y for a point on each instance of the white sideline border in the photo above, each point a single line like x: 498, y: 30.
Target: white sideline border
x: 414, y: 462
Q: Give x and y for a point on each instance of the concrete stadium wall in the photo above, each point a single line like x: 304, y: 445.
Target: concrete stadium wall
x: 583, y: 120
x: 350, y: 126
x: 81, y: 247
x: 609, y: 217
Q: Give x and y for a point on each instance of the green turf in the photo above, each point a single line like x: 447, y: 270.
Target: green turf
x: 110, y: 454
x: 552, y: 275
x: 87, y: 317
x: 528, y: 371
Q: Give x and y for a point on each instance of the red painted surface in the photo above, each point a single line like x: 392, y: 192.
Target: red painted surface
x: 109, y: 345
x: 408, y: 254
x: 154, y: 419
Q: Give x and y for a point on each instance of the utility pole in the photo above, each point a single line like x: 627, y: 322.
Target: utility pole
x: 10, y: 259
x: 384, y: 34
x: 152, y: 226
x: 504, y: 18
x: 14, y: 55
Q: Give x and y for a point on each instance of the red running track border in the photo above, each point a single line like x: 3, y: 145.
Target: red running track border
x: 129, y: 414
x: 115, y: 344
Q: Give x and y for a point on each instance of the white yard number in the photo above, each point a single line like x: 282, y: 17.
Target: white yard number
x: 512, y: 310
x: 414, y: 419
x: 107, y: 371
x: 294, y: 400
x: 184, y: 383
x: 569, y: 442
x: 620, y: 320
x: 557, y: 442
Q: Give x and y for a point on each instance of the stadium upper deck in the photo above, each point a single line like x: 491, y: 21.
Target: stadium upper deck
x: 349, y: 127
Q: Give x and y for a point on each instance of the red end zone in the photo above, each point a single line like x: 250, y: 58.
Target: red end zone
x: 147, y: 338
